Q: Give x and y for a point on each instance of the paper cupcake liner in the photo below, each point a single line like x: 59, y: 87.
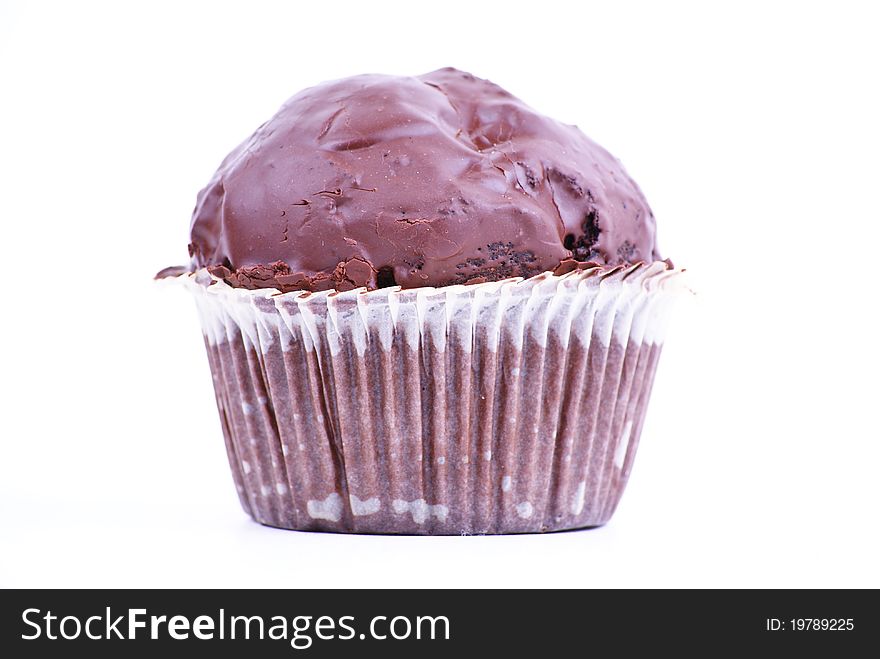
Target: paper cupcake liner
x: 503, y: 407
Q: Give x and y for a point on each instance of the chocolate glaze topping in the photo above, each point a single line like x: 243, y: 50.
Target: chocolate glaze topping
x: 438, y: 179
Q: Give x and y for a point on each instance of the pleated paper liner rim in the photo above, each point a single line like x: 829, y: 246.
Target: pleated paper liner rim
x: 672, y: 279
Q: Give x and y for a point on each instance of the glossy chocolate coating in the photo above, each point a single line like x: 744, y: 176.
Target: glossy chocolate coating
x: 432, y: 180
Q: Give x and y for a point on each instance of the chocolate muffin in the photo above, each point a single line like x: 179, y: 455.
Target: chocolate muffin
x: 428, y: 309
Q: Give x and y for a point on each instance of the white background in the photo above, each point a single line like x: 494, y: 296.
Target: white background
x: 753, y: 131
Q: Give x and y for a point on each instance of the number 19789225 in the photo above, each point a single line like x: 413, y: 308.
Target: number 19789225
x: 810, y: 624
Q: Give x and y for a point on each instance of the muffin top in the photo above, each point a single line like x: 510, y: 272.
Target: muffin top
x: 432, y: 180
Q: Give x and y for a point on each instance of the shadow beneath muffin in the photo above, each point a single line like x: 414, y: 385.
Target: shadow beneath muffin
x: 343, y: 532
